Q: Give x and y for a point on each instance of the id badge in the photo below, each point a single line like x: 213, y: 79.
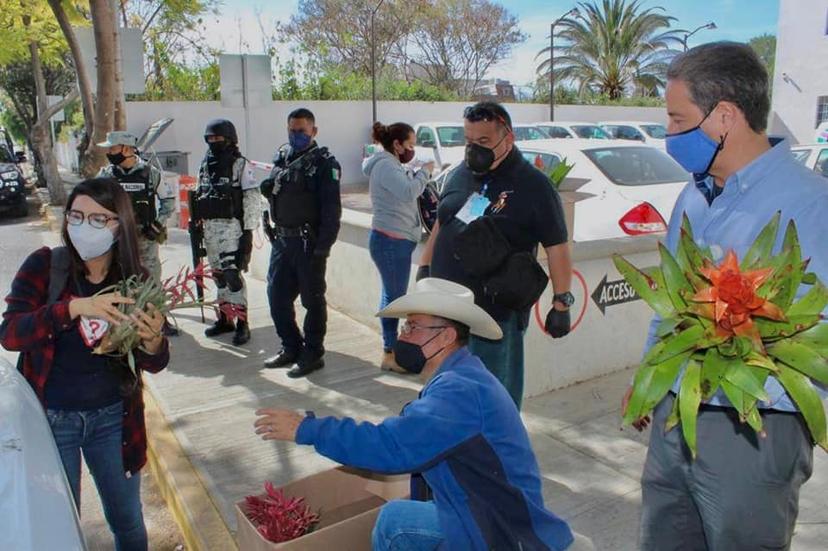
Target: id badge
x: 474, y: 208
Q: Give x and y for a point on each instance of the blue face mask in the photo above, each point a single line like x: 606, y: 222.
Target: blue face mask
x: 694, y: 150
x: 298, y: 140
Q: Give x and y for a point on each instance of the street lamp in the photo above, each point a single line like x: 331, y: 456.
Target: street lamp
x: 573, y: 12
x: 373, y: 63
x: 709, y: 26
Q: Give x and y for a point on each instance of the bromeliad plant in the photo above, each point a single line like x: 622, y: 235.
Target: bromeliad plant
x: 730, y: 327
x: 278, y: 518
x: 173, y: 293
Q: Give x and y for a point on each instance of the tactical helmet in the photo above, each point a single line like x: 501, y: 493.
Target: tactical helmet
x: 221, y: 127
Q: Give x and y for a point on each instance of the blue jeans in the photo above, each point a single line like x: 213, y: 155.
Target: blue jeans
x: 97, y: 433
x: 393, y: 260
x: 504, y: 358
x: 405, y: 525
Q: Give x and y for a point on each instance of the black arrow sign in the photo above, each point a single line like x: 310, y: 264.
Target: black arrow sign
x: 613, y: 293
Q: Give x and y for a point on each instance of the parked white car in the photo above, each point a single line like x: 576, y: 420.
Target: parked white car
x: 573, y: 129
x: 650, y: 133
x: 529, y: 132
x: 441, y: 142
x: 37, y: 511
x: 814, y: 156
x: 634, y: 187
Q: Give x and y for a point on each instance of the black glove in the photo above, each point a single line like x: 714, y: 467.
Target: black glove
x: 155, y: 232
x: 245, y: 250
x: 557, y: 323
x: 423, y: 272
x: 266, y: 187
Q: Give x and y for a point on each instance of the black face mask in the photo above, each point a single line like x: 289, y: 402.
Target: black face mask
x: 116, y: 158
x: 410, y: 356
x: 217, y: 148
x: 479, y: 158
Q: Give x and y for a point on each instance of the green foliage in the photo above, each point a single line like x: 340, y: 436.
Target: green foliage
x: 557, y: 174
x: 614, y: 48
x: 765, y: 47
x: 183, y: 83
x: 779, y: 337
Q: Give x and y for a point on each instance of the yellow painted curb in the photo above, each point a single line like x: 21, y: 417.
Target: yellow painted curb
x: 187, y: 499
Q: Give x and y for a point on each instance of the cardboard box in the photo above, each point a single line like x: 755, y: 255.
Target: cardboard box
x: 568, y: 190
x: 348, y: 502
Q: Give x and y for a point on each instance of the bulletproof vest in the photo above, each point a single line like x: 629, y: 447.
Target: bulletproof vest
x: 216, y: 197
x: 139, y: 187
x: 296, y: 202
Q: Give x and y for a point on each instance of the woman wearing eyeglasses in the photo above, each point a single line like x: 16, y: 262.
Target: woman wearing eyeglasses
x: 55, y: 317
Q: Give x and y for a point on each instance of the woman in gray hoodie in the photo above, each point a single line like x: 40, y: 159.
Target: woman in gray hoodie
x: 396, y: 225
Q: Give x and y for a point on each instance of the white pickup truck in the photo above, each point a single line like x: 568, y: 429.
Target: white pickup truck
x: 441, y: 142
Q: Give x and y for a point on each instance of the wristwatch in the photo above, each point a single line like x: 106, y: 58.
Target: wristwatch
x: 565, y: 298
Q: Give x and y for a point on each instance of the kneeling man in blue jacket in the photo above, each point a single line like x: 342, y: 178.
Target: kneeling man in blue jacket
x: 463, y: 433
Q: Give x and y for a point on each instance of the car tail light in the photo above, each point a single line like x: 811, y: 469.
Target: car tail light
x: 641, y: 220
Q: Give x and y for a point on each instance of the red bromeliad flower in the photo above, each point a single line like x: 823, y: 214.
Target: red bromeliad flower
x: 279, y: 518
x: 731, y: 301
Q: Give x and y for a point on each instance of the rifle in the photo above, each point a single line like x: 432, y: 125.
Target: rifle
x: 197, y: 250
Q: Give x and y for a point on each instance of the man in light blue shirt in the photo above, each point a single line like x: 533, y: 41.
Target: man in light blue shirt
x: 741, y: 492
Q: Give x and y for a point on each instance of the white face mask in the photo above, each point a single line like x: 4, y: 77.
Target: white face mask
x: 90, y: 242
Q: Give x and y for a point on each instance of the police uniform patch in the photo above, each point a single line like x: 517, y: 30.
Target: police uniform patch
x: 335, y: 174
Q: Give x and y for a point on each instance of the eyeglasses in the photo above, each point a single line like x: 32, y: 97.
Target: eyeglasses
x: 97, y: 220
x: 477, y: 113
x: 408, y: 328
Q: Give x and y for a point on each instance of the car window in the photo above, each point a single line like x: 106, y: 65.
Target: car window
x: 425, y: 136
x: 654, y: 131
x: 625, y: 132
x: 451, y: 136
x: 529, y: 133
x: 5, y: 156
x: 545, y: 162
x: 822, y: 162
x: 557, y: 131
x: 636, y: 166
x: 590, y: 131
x: 801, y: 155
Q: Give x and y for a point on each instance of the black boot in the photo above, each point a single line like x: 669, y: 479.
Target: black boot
x: 284, y: 358
x: 242, y: 332
x: 222, y: 325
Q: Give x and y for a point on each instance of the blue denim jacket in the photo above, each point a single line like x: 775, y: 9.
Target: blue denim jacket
x: 772, y: 182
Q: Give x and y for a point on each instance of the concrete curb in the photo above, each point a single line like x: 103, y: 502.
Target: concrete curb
x: 189, y: 502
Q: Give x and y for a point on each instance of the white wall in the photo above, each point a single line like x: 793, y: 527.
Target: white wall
x: 801, y: 54
x: 600, y: 344
x: 344, y: 126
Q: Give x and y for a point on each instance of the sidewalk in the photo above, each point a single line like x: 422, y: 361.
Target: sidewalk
x: 210, y: 391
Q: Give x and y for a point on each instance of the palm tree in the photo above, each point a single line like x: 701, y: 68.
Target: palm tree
x: 614, y: 47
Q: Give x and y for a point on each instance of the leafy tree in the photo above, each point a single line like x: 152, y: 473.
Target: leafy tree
x: 614, y: 47
x: 456, y: 42
x: 765, y: 47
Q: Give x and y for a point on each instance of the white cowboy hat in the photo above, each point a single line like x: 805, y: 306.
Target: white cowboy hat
x: 444, y: 299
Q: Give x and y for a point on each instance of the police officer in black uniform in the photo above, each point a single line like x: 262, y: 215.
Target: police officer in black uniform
x: 305, y: 208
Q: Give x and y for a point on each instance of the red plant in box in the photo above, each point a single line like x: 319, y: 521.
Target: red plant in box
x: 279, y: 518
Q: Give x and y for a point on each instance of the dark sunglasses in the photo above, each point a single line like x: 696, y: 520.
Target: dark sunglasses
x: 476, y: 113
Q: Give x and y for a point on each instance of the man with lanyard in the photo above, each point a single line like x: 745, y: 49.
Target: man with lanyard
x: 463, y: 433
x: 303, y: 194
x: 152, y: 203
x: 228, y: 204
x: 741, y: 492
x: 497, y: 181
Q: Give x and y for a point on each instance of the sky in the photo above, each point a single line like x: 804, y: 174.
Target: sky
x: 737, y: 20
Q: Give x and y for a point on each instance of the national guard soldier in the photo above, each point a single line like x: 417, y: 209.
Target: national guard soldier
x: 228, y: 204
x: 303, y: 194
x: 152, y: 202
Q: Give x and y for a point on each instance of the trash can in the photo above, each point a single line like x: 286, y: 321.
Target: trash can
x: 173, y: 161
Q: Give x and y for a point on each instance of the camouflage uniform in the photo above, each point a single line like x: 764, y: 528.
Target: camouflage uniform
x: 222, y: 235
x: 164, y: 207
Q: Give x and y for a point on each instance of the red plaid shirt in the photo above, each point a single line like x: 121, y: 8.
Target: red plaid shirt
x: 30, y: 326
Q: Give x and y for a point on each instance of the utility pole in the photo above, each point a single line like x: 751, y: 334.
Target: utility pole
x: 573, y: 12
x: 374, y: 64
